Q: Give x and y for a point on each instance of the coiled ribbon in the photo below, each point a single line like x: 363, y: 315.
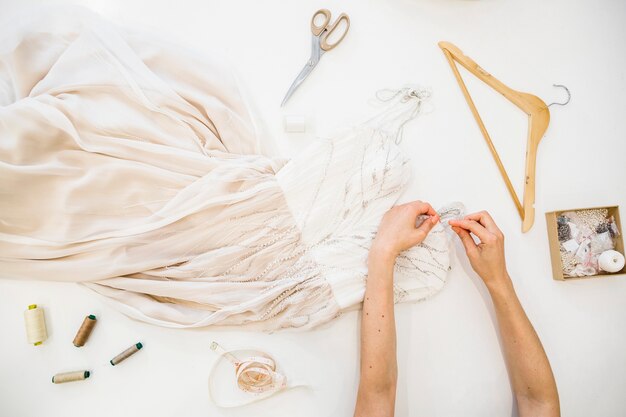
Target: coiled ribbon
x: 254, y: 374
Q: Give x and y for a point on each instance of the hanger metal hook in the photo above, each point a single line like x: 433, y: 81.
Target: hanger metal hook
x: 569, y: 95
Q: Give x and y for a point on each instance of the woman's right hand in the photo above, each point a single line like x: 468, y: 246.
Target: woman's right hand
x: 487, y: 257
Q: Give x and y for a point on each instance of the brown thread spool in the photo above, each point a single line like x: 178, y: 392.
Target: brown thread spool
x: 85, y: 330
x: 70, y: 377
x: 126, y: 354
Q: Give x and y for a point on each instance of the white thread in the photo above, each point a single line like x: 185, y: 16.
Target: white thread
x: 35, y: 325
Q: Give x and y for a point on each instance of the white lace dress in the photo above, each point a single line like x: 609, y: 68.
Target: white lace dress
x: 133, y: 168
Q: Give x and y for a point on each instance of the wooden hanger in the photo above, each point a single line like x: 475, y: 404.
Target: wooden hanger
x: 538, y: 120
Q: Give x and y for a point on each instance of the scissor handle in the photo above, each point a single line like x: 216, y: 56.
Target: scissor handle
x: 326, y: 29
x: 326, y: 46
x: 318, y: 29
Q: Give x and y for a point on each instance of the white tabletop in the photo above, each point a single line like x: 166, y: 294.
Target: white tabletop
x: 450, y: 362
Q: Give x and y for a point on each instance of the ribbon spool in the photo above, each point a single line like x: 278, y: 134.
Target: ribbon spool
x: 35, y: 321
x: 255, y: 377
x: 258, y: 374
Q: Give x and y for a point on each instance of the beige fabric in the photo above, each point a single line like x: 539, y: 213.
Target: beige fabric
x: 134, y: 168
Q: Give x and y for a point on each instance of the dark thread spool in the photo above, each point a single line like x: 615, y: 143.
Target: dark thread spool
x: 70, y: 377
x: 126, y: 354
x: 85, y: 330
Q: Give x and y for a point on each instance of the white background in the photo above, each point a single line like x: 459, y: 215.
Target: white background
x: 449, y: 357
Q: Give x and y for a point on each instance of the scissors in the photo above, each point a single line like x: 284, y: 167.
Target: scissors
x: 319, y: 45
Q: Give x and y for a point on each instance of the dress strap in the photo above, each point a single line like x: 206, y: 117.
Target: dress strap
x: 400, y: 107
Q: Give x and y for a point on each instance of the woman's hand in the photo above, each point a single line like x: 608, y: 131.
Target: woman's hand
x: 534, y: 387
x: 397, y: 231
x: 379, y: 367
x: 487, y: 257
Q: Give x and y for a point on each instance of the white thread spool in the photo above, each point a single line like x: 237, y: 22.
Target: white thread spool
x: 35, y: 325
x: 293, y: 123
x: 611, y: 261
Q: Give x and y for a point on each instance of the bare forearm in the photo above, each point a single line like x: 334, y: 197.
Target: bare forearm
x: 378, y: 341
x: 379, y: 369
x: 531, y: 376
x: 378, y: 330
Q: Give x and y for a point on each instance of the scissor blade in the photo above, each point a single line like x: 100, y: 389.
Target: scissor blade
x: 301, y: 77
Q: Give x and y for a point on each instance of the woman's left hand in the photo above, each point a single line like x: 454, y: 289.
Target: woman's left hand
x: 397, y: 231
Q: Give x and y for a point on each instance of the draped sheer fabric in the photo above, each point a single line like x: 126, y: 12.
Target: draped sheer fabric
x: 134, y: 168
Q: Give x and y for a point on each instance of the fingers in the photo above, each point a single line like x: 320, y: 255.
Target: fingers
x: 422, y: 231
x: 466, y: 240
x: 421, y: 207
x: 473, y: 226
x: 486, y: 220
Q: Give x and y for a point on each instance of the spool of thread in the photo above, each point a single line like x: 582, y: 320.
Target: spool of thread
x: 294, y: 123
x: 35, y: 321
x: 126, y: 354
x: 70, y: 377
x: 611, y: 261
x: 85, y: 330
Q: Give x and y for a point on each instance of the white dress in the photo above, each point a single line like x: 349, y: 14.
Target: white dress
x: 134, y: 168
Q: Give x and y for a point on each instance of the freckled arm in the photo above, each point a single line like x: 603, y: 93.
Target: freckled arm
x: 379, y: 370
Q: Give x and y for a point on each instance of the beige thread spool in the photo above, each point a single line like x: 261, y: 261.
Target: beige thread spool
x: 85, y: 330
x: 35, y: 325
x: 126, y: 354
x: 70, y: 377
